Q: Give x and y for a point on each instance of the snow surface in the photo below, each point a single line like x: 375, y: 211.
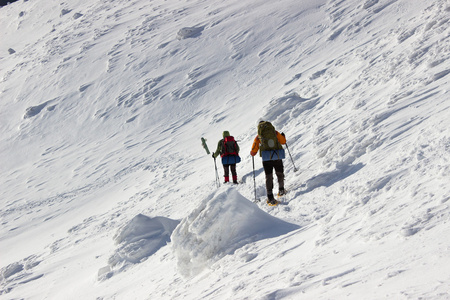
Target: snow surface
x: 107, y: 193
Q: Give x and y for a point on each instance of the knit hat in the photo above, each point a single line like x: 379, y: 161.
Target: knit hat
x: 226, y: 133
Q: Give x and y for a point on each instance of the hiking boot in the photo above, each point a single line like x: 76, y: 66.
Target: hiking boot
x: 281, y: 192
x: 271, y: 199
x: 272, y: 202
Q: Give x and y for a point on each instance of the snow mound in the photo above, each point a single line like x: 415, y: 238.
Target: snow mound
x: 139, y: 239
x: 189, y: 32
x: 224, y: 222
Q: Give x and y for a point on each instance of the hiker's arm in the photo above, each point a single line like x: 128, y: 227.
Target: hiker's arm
x: 218, y: 150
x: 281, y: 138
x: 255, y: 146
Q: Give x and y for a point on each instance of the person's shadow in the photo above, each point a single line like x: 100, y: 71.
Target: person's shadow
x: 329, y: 178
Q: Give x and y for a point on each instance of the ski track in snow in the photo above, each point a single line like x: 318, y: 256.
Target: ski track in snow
x: 106, y: 191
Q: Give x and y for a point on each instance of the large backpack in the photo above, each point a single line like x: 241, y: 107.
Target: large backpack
x: 268, y: 137
x: 229, y: 146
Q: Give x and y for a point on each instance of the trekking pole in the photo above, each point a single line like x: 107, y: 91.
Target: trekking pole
x: 295, y: 169
x: 217, y: 174
x: 254, y: 180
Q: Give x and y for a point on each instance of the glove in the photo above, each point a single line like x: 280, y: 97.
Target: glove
x: 213, y: 156
x: 283, y: 134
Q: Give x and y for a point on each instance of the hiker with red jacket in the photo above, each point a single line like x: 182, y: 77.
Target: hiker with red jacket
x: 228, y: 149
x: 268, y: 142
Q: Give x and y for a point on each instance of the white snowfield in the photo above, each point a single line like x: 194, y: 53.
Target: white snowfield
x: 107, y: 193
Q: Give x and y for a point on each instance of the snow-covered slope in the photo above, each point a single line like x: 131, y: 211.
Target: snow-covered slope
x: 103, y: 104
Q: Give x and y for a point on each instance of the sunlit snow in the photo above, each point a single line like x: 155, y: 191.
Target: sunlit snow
x: 107, y: 193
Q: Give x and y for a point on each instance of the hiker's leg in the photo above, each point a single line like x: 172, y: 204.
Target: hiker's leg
x: 226, y: 172
x: 279, y: 171
x: 268, y: 170
x: 233, y: 172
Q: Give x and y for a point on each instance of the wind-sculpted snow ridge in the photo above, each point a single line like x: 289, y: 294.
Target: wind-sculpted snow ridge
x: 18, y: 273
x: 224, y: 222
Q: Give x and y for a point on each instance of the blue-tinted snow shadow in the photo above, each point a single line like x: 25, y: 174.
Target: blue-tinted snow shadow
x: 329, y: 178
x: 249, y: 176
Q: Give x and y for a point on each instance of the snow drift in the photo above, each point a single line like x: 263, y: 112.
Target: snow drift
x: 224, y: 222
x: 139, y: 239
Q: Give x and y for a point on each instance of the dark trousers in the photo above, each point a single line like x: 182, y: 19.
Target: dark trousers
x: 226, y: 171
x: 269, y: 166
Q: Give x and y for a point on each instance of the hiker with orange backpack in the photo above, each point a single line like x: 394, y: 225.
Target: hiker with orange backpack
x: 228, y: 149
x: 268, y: 142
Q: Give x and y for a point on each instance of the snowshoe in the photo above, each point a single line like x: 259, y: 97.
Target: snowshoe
x: 271, y: 200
